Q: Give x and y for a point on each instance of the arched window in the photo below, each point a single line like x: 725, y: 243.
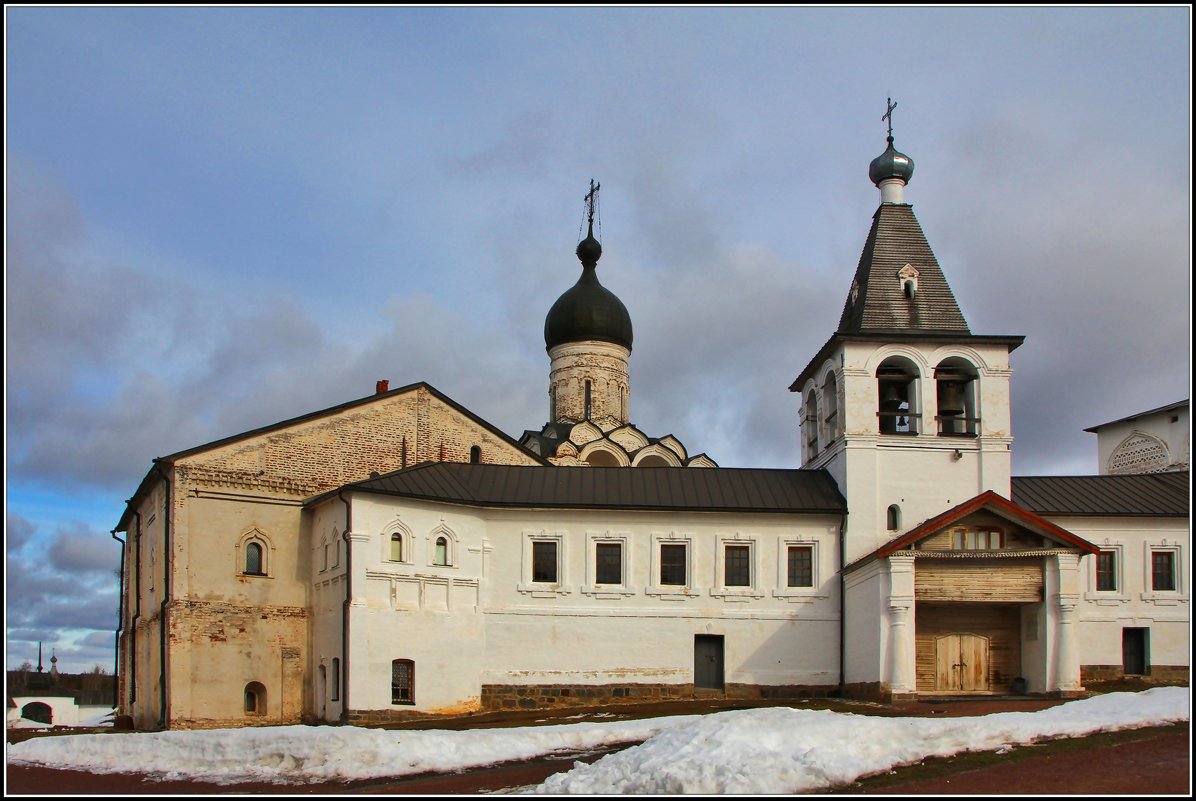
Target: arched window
x: 810, y: 426
x: 396, y: 547
x: 475, y: 455
x: 442, y: 547
x: 830, y: 410
x: 956, y: 382
x: 894, y: 518
x: 255, y: 698
x: 253, y: 559
x: 897, y: 387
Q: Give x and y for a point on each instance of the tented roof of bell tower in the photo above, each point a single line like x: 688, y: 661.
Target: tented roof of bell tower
x: 879, y: 300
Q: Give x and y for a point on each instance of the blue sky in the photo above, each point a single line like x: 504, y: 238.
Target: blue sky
x: 217, y: 218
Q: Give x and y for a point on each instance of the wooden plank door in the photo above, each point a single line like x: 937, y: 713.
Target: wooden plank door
x: 961, y: 663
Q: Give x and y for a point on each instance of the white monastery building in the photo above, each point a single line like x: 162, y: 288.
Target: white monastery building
x: 397, y: 555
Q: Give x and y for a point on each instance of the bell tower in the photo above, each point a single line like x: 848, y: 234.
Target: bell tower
x: 904, y: 405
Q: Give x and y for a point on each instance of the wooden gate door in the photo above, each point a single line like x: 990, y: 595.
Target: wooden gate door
x: 961, y: 663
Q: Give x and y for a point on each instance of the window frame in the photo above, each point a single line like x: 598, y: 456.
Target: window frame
x: 961, y: 536
x: 254, y: 536
x: 604, y: 540
x: 396, y: 699
x: 544, y: 589
x: 671, y: 591
x: 816, y: 590
x: 1179, y: 590
x: 737, y: 592
x: 1108, y: 597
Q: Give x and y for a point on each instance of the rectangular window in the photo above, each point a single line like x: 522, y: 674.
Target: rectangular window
x: 672, y: 565
x: 1162, y: 571
x: 544, y: 562
x: 608, y: 563
x: 336, y: 679
x: 402, y: 681
x: 976, y: 539
x: 801, y: 566
x: 1106, y: 571
x: 737, y: 566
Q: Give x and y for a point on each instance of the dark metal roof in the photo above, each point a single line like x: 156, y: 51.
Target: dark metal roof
x: 1147, y: 495
x: 896, y: 239
x: 642, y: 488
x: 1183, y: 404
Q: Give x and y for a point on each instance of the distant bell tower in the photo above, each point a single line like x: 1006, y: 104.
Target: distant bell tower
x: 904, y: 405
x: 588, y: 337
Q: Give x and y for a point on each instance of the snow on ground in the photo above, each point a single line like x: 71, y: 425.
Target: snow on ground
x: 775, y: 750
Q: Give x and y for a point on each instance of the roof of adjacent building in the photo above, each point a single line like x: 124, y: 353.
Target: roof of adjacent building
x: 880, y: 305
x: 1147, y: 495
x: 713, y: 489
x: 1183, y: 404
x: 991, y: 501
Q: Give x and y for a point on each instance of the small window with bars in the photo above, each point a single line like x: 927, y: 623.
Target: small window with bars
x: 402, y: 681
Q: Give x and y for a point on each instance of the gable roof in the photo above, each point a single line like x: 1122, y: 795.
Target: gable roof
x: 1183, y: 404
x: 716, y: 489
x: 1148, y: 494
x: 990, y: 501
x: 895, y: 240
x: 352, y: 405
x: 156, y: 473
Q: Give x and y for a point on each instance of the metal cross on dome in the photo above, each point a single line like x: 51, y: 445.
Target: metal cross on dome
x: 592, y: 200
x: 888, y: 115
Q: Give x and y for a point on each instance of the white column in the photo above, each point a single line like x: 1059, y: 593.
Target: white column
x: 1067, y: 640
x: 901, y: 632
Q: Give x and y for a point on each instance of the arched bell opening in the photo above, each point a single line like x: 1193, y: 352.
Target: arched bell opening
x: 897, y: 386
x: 956, y: 383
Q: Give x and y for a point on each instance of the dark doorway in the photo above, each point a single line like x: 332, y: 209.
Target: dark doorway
x: 708, y: 661
x: 37, y: 711
x: 1135, y: 646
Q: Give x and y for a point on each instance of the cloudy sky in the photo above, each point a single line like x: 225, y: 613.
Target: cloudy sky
x: 217, y: 218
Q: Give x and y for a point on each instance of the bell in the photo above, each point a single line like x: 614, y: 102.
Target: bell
x: 951, y: 397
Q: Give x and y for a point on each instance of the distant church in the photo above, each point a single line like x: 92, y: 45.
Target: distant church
x: 398, y: 555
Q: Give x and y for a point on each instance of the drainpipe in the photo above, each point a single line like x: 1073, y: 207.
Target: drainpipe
x: 120, y: 622
x: 167, y: 565
x: 343, y: 678
x: 136, y: 618
x: 842, y: 607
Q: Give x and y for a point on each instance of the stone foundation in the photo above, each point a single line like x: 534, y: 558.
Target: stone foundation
x: 1159, y: 673
x: 497, y: 697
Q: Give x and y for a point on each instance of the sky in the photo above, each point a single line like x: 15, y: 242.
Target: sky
x: 752, y: 751
x: 219, y: 218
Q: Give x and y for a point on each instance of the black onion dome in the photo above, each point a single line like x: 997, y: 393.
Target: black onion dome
x: 891, y: 164
x: 588, y: 311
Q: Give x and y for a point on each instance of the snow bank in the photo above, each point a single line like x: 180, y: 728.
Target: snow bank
x: 775, y: 750
x: 791, y: 750
x: 295, y: 754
